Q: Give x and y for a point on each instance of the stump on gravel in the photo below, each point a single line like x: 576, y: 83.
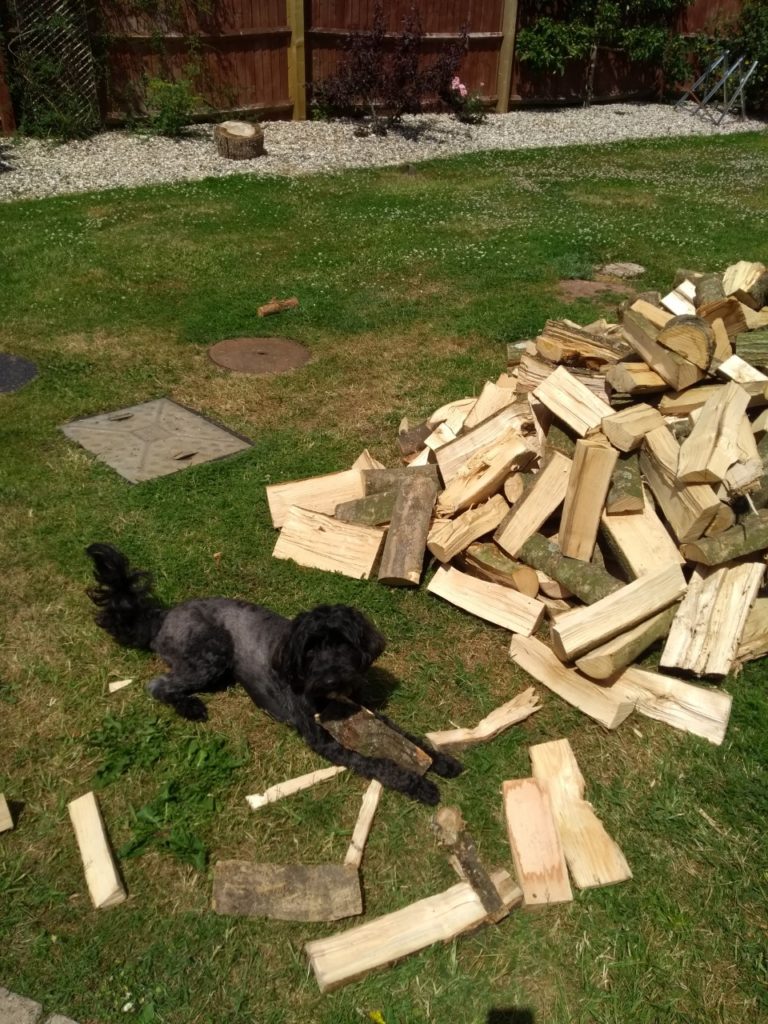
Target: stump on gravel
x: 239, y: 140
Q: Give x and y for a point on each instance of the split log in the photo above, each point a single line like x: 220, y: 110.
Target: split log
x: 572, y: 402
x: 371, y: 797
x: 700, y: 710
x: 635, y: 379
x: 376, y: 481
x: 488, y: 562
x: 689, y: 510
x: 453, y: 457
x: 744, y: 475
x: 502, y: 606
x: 536, y: 506
x: 372, y: 510
x: 459, y: 405
x: 753, y: 381
x: 712, y: 447
x: 755, y: 320
x: 723, y: 346
x: 681, y: 403
x: 593, y: 857
x: 754, y: 639
x: 349, y: 955
x: 653, y: 314
x: 277, y: 306
x: 291, y: 786
x: 463, y: 857
x: 678, y: 372
x: 560, y: 342
x: 492, y: 400
x: 6, y: 818
x: 410, y: 440
x: 588, y: 483
x: 402, y: 561
x: 709, y: 288
x: 603, y: 705
x: 358, y: 729
x: 101, y: 873
x: 742, y: 281
x: 366, y: 461
x: 640, y: 542
x: 532, y: 372
x: 515, y: 485
x: 609, y: 658
x: 118, y: 684
x: 316, y: 494
x: 449, y: 537
x: 484, y: 474
x: 627, y: 428
x: 587, y: 581
x: 321, y: 542
x: 625, y: 494
x: 286, y: 892
x: 690, y: 337
x: 535, y: 843
x: 680, y: 300
x: 238, y: 140
x: 441, y: 435
x: 706, y: 632
x: 583, y: 629
x: 753, y: 348
x: 488, y: 728
x: 730, y: 311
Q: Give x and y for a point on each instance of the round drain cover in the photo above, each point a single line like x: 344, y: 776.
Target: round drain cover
x: 15, y: 372
x: 259, y: 355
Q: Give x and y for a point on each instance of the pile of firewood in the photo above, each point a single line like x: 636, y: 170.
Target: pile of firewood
x: 613, y: 479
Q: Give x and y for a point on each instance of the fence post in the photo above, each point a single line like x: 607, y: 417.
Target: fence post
x: 506, y: 55
x: 297, y: 63
x: 7, y: 117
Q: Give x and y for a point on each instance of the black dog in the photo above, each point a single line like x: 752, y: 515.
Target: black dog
x: 289, y: 667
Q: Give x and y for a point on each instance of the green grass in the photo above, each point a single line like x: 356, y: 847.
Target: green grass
x: 410, y: 285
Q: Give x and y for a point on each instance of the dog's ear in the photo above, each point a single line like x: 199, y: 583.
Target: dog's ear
x: 330, y: 640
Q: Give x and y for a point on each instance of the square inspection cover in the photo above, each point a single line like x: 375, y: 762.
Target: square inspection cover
x: 154, y: 439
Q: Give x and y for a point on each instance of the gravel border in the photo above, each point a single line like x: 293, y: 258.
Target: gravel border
x: 31, y: 168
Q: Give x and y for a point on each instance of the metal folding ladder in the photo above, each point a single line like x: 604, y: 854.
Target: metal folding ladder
x: 720, y: 85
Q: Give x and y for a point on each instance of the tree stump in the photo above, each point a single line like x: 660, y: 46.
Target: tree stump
x: 238, y: 140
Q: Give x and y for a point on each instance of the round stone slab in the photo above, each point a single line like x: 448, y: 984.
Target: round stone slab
x: 15, y: 372
x: 622, y: 270
x: 259, y: 355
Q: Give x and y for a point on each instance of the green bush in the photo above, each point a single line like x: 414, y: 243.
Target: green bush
x: 170, y: 106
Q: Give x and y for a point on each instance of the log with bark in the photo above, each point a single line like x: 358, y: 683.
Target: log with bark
x: 238, y: 140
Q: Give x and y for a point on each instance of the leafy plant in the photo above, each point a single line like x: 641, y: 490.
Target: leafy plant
x: 170, y: 106
x: 751, y: 39
x: 384, y: 76
x: 132, y: 740
x: 467, y: 107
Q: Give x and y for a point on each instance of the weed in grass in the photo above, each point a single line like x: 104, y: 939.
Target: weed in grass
x: 137, y: 739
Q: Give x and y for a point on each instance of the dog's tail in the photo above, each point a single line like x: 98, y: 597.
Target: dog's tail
x: 128, y: 610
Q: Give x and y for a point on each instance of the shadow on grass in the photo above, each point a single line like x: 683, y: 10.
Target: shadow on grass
x: 513, y: 1015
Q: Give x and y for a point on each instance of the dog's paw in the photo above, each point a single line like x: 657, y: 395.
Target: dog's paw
x: 191, y: 708
x: 446, y: 766
x: 426, y: 791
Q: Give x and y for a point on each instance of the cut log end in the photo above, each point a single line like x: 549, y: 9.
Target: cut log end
x: 238, y: 140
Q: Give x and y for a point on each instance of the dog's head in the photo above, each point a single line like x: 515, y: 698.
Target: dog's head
x: 327, y: 650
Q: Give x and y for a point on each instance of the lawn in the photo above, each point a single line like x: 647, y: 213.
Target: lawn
x: 411, y: 281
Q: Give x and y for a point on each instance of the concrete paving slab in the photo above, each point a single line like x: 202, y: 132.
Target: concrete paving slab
x: 18, y: 1010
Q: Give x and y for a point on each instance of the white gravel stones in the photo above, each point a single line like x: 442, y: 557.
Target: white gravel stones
x: 32, y: 169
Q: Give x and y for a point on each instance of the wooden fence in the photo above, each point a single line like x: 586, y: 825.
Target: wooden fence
x: 260, y: 57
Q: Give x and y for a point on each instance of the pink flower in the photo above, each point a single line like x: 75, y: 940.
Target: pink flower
x: 458, y: 86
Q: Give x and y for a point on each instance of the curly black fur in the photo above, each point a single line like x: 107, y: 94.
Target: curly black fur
x: 290, y: 668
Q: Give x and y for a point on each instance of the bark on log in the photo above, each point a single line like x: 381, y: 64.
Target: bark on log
x: 626, y: 490
x: 373, y: 510
x: 286, y: 892
x: 749, y: 536
x: 709, y: 288
x: 377, y: 480
x: 465, y: 860
x: 403, y: 559
x: 358, y: 729
x: 277, y: 306
x: 238, y: 140
x: 588, y: 582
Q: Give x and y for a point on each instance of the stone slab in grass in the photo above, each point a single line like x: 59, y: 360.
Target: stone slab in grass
x: 259, y: 355
x: 18, y: 1010
x: 154, y: 439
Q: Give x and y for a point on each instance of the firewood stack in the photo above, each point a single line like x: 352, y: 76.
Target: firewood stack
x: 614, y: 479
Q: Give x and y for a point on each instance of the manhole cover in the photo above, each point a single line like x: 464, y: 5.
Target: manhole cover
x: 154, y: 439
x: 15, y: 372
x: 259, y: 355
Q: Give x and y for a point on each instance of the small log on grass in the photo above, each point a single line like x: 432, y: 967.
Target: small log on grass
x: 358, y: 729
x: 286, y: 892
x: 587, y: 581
x: 488, y: 728
x: 534, y: 839
x: 291, y: 786
x: 363, y: 824
x: 101, y: 873
x: 6, y: 818
x: 452, y: 835
x: 238, y: 140
x: 402, y: 561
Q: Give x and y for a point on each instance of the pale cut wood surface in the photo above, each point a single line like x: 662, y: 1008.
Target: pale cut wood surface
x: 483, y: 474
x: 593, y: 857
x: 462, y: 406
x: 605, y: 661
x: 402, y: 559
x: 118, y: 684
x: 450, y: 536
x: 690, y: 337
x: 640, y: 541
x: 754, y: 639
x: 653, y: 314
x: 291, y: 786
x: 681, y: 403
x: 6, y: 818
x: 635, y: 379
x: 101, y: 874
x: 492, y: 400
x: 322, y: 542
x: 366, y: 461
x: 627, y: 428
x: 452, y: 835
x: 318, y: 493
x: 286, y: 892
x: 706, y: 632
x: 535, y: 658
x: 700, y: 710
x: 674, y: 369
x: 537, y: 504
x: 712, y: 447
x: 753, y: 381
x: 689, y: 510
x: 452, y: 457
x: 488, y: 728
x: 537, y: 851
x: 571, y: 401
x: 588, y: 482
x: 370, y: 803
x: 582, y: 629
x: 490, y: 601
x: 352, y: 954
